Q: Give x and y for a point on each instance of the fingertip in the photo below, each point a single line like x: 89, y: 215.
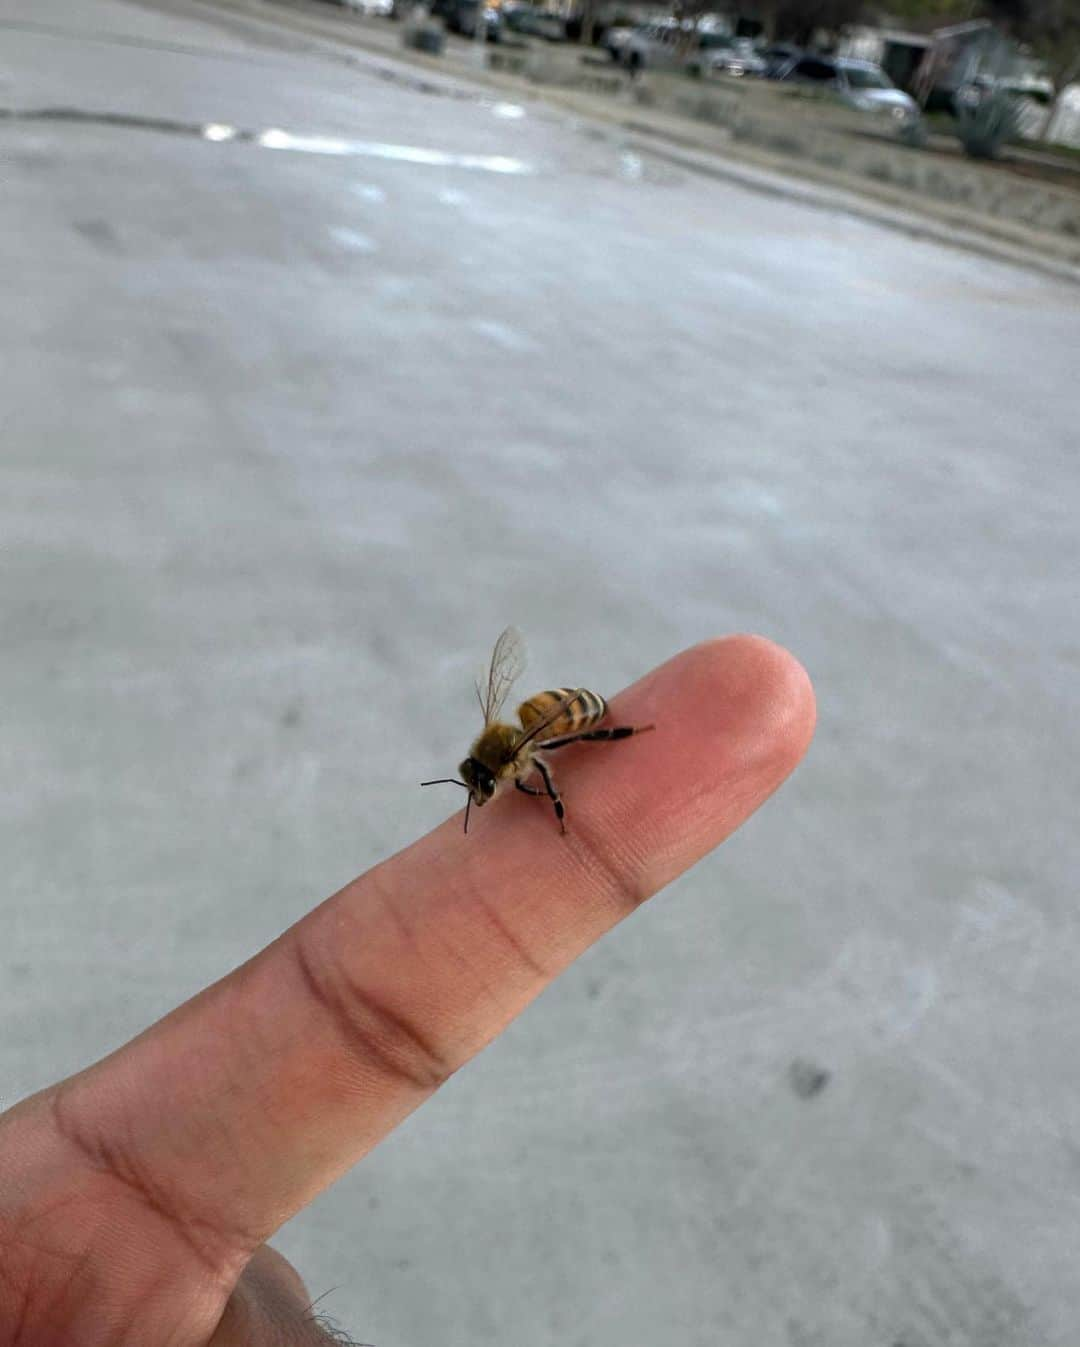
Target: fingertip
x: 743, y: 688
x: 780, y: 686
x: 734, y: 716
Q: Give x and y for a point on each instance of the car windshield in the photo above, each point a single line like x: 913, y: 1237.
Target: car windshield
x: 866, y: 77
x: 810, y: 69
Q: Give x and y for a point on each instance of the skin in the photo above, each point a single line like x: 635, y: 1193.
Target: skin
x: 137, y: 1197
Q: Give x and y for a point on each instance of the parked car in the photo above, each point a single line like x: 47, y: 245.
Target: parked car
x: 861, y: 85
x: 735, y: 56
x: 669, y: 46
x: 778, y: 57
x: 533, y: 22
x: 661, y: 46
x: 459, y: 16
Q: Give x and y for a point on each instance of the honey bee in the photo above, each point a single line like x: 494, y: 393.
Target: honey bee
x: 503, y: 752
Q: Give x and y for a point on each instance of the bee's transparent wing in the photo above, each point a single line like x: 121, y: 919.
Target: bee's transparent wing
x: 537, y: 728
x: 507, y: 666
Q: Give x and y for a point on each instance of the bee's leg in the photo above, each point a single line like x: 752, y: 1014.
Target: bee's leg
x: 553, y: 794
x: 527, y: 789
x: 596, y: 736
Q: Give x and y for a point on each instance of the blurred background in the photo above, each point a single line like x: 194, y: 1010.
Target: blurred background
x: 327, y: 355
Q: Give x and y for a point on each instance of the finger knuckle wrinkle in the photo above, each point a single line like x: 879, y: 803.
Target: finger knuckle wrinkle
x: 376, y: 1035
x: 214, y: 1248
x: 520, y: 951
x: 614, y: 872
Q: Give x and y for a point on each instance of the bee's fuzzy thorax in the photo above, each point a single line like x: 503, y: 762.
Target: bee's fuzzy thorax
x: 494, y: 746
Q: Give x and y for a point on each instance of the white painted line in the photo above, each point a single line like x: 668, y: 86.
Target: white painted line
x: 276, y: 139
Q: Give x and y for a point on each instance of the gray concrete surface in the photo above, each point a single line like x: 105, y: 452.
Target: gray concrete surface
x: 929, y: 195
x: 288, y: 437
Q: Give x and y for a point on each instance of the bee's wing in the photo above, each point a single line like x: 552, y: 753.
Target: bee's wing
x: 507, y: 666
x: 539, y: 726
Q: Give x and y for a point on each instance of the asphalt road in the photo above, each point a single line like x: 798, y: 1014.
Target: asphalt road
x: 295, y: 422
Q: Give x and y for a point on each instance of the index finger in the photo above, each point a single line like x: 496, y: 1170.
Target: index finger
x: 236, y: 1109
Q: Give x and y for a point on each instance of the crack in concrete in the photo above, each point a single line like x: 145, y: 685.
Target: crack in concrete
x: 274, y: 138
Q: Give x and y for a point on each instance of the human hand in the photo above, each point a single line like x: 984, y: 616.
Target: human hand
x: 136, y: 1197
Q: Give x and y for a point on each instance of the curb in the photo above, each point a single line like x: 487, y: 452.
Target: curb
x: 834, y: 200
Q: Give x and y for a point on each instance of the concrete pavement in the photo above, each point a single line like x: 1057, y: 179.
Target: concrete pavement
x: 942, y: 196
x: 290, y: 433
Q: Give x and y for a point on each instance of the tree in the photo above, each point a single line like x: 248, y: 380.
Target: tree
x: 1051, y: 28
x: 798, y: 20
x: 687, y: 13
x: 932, y: 13
x: 588, y: 22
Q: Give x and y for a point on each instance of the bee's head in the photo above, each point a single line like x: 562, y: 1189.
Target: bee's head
x: 479, y: 779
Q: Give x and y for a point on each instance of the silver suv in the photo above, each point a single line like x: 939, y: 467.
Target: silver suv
x: 669, y: 46
x: 857, y: 84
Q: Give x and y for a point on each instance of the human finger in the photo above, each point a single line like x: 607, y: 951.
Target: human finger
x: 236, y: 1109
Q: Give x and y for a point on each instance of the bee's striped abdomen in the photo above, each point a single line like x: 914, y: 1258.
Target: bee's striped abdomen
x: 585, y: 710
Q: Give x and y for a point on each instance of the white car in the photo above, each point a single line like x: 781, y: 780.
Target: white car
x: 861, y: 85
x: 653, y: 46
x: 735, y: 56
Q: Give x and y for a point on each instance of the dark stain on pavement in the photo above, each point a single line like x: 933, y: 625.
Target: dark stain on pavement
x: 100, y: 233
x: 807, y: 1079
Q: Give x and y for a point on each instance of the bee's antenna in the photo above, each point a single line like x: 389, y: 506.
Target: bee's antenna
x: 445, y: 781
x: 468, y: 806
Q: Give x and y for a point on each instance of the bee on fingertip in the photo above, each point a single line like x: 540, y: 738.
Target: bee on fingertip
x: 505, y: 752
